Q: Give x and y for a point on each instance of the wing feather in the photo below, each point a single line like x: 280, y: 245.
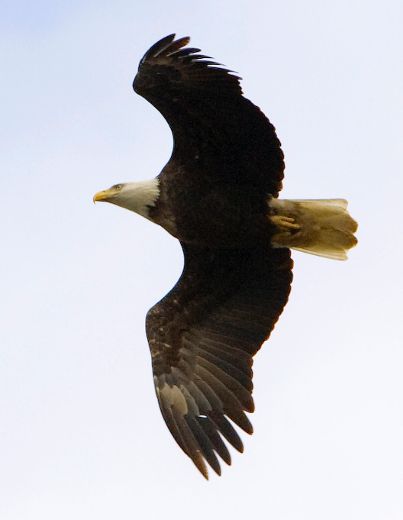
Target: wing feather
x: 211, y: 431
x: 203, y: 104
x: 231, y: 387
x: 228, y: 368
x: 202, y: 337
x: 228, y: 431
x: 205, y: 445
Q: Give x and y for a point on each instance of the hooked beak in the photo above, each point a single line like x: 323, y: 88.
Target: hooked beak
x: 103, y: 195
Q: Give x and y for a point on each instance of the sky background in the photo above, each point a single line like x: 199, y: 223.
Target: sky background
x: 81, y: 435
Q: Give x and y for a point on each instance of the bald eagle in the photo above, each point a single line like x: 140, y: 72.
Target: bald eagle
x: 218, y: 196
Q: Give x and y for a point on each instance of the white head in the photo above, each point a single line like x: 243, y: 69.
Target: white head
x: 134, y: 196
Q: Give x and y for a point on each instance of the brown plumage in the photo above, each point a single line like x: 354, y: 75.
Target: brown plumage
x: 225, y: 162
x: 218, y: 196
x: 203, y: 335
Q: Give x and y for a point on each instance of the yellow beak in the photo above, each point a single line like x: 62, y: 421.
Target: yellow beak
x: 102, y: 195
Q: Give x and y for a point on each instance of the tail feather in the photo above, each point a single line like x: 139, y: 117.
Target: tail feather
x: 319, y: 227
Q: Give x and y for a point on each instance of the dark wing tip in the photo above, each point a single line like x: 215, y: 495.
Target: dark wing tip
x: 166, y: 45
x: 170, y: 64
x: 168, y: 50
x: 157, y: 47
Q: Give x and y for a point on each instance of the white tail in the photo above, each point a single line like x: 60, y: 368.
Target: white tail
x: 319, y: 227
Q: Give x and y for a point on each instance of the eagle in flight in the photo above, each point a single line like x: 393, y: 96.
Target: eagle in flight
x: 218, y: 196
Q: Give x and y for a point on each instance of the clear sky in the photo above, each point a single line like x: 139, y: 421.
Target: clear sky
x: 81, y: 435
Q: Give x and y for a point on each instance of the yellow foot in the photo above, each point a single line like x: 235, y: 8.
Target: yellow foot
x: 284, y: 224
x: 286, y: 230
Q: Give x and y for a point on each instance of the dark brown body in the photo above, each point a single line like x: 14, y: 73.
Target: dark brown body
x: 219, y: 215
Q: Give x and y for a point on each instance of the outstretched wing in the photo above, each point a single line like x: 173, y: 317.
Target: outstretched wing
x: 202, y: 337
x: 217, y: 132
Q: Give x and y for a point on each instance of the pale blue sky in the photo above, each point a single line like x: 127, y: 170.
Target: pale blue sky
x: 81, y: 434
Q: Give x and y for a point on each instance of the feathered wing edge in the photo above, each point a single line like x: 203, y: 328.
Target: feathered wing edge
x: 168, y: 63
x: 202, y: 337
x: 209, y: 117
x: 164, y: 44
